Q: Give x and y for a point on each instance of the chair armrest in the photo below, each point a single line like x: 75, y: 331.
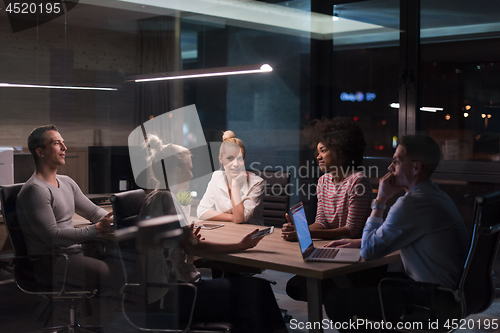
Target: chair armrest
x: 430, y: 286
x: 407, y: 282
x: 97, y: 246
x: 41, y: 256
x: 428, y: 302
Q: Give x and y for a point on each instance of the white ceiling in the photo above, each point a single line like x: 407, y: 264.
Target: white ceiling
x: 363, y: 22
x: 243, y: 12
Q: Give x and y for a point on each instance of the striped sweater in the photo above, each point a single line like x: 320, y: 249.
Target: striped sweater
x: 346, y: 204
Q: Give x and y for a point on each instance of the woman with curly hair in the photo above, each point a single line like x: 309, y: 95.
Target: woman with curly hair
x: 344, y: 193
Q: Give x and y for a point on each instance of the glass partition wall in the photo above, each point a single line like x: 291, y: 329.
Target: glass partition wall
x: 100, y: 46
x: 366, y: 69
x: 459, y: 85
x: 394, y: 66
x: 459, y: 78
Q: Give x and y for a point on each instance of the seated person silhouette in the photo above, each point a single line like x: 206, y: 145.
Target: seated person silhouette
x: 424, y: 225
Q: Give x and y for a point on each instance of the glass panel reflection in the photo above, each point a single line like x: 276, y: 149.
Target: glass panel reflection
x: 460, y: 70
x: 365, y: 72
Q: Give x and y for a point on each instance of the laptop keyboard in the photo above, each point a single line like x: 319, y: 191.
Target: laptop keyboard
x: 324, y: 252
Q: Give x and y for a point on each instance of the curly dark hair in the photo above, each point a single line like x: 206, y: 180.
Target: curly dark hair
x: 341, y: 135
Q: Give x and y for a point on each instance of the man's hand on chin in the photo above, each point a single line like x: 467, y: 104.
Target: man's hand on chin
x: 387, y: 188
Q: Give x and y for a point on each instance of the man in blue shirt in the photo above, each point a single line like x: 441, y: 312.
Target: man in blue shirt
x: 424, y: 225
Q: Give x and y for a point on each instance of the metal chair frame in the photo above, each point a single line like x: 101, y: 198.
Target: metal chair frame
x: 20, y: 254
x: 175, y: 235
x: 462, y: 295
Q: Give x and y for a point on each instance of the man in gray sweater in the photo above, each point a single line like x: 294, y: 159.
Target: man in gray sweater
x: 45, y: 207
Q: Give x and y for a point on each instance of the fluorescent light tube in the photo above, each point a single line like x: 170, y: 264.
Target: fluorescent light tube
x: 430, y: 109
x: 423, y: 108
x: 205, y: 72
x: 16, y: 85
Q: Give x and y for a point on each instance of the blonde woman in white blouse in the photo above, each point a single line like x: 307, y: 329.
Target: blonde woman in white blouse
x: 233, y: 194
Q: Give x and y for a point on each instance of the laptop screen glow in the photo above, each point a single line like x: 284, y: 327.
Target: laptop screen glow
x: 301, y: 226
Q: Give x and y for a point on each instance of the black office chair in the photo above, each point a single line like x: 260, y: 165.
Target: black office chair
x: 126, y: 207
x: 276, y: 196
x: 151, y: 234
x: 276, y: 203
x: 476, y: 289
x: 23, y: 271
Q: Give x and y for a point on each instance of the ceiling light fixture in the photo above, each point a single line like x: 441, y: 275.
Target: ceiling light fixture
x: 16, y: 85
x: 430, y: 109
x: 205, y: 72
x: 335, y: 15
x: 423, y: 108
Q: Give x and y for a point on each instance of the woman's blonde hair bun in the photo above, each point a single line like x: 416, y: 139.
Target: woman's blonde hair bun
x: 229, y: 138
x: 227, y: 135
x: 155, y: 143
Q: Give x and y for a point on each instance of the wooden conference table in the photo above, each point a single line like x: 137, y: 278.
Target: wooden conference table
x: 274, y: 253
x: 277, y: 254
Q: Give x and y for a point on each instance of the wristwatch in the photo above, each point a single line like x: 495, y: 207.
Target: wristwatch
x: 376, y: 204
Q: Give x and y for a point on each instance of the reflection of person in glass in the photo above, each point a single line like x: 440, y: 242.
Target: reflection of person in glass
x: 45, y: 207
x: 233, y: 194
x: 178, y: 165
x: 247, y: 303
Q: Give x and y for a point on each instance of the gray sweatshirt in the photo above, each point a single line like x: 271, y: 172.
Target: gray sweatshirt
x: 45, y: 214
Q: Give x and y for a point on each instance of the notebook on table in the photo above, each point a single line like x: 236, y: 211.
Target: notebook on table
x: 311, y: 253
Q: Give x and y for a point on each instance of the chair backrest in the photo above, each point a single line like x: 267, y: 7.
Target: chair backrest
x: 8, y: 196
x: 126, y: 207
x: 150, y: 235
x: 22, y: 268
x: 276, y: 196
x: 477, y: 283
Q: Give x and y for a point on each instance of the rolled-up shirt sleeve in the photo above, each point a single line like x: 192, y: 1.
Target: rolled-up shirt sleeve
x: 208, y: 201
x: 253, y: 199
x: 400, y: 228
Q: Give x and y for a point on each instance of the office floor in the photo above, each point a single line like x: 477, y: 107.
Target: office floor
x: 16, y: 309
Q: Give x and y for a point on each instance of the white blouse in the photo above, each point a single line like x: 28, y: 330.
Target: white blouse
x: 217, y: 197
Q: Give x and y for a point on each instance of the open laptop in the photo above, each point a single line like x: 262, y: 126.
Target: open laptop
x: 311, y: 253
